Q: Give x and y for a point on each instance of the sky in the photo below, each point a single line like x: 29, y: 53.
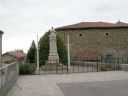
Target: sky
x: 22, y: 20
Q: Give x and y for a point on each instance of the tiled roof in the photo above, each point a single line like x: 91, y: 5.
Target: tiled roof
x: 93, y: 25
x: 121, y: 24
x: 18, y: 53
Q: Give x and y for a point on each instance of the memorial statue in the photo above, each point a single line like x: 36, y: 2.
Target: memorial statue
x: 53, y: 55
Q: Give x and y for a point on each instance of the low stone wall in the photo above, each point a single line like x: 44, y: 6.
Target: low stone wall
x: 8, y: 78
x: 124, y: 67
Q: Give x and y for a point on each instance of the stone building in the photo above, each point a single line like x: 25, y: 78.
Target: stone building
x: 14, y: 56
x: 97, y: 39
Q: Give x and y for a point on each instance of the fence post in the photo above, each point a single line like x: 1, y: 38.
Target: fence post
x: 97, y: 65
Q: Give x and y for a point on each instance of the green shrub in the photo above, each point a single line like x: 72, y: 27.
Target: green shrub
x: 104, y: 68
x: 27, y: 69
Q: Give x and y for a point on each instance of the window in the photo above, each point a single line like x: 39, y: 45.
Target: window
x: 80, y: 34
x: 108, y: 56
x: 106, y: 33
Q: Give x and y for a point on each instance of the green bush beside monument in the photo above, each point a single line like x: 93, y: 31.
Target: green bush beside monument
x: 27, y: 68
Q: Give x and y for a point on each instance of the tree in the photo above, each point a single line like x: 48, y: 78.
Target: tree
x: 62, y: 50
x: 31, y: 54
x: 44, y: 48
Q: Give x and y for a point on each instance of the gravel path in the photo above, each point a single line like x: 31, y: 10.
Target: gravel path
x: 46, y: 85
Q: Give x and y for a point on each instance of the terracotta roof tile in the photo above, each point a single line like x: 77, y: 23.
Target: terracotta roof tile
x: 121, y: 24
x: 17, y: 54
x: 93, y: 24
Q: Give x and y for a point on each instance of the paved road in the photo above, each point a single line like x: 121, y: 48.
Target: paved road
x: 101, y: 88
x: 47, y: 85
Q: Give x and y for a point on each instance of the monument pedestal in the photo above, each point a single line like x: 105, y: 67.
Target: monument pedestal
x: 53, y: 58
x: 49, y: 66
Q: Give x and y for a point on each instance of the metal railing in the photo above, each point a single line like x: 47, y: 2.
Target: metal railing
x: 82, y: 65
x: 53, y: 67
x: 8, y: 77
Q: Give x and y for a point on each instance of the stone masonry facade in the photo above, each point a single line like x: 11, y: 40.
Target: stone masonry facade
x: 106, y: 41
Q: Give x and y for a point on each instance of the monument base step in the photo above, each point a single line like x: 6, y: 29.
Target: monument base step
x: 54, y: 67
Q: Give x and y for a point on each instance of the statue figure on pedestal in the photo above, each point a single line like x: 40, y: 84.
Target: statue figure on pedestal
x: 53, y: 55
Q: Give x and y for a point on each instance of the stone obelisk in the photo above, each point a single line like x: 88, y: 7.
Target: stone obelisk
x: 53, y: 55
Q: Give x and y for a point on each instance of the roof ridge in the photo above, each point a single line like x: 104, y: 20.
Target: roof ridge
x: 16, y: 53
x: 97, y: 24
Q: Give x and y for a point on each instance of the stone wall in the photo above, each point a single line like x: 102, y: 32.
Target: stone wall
x: 111, y: 41
x: 8, y: 58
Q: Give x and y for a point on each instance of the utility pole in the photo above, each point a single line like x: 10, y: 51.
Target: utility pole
x: 68, y: 46
x: 1, y: 53
x: 37, y: 54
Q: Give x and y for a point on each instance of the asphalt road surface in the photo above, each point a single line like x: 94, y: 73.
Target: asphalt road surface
x: 100, y: 88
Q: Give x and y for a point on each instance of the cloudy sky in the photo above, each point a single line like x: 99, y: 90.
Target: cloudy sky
x: 22, y: 20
